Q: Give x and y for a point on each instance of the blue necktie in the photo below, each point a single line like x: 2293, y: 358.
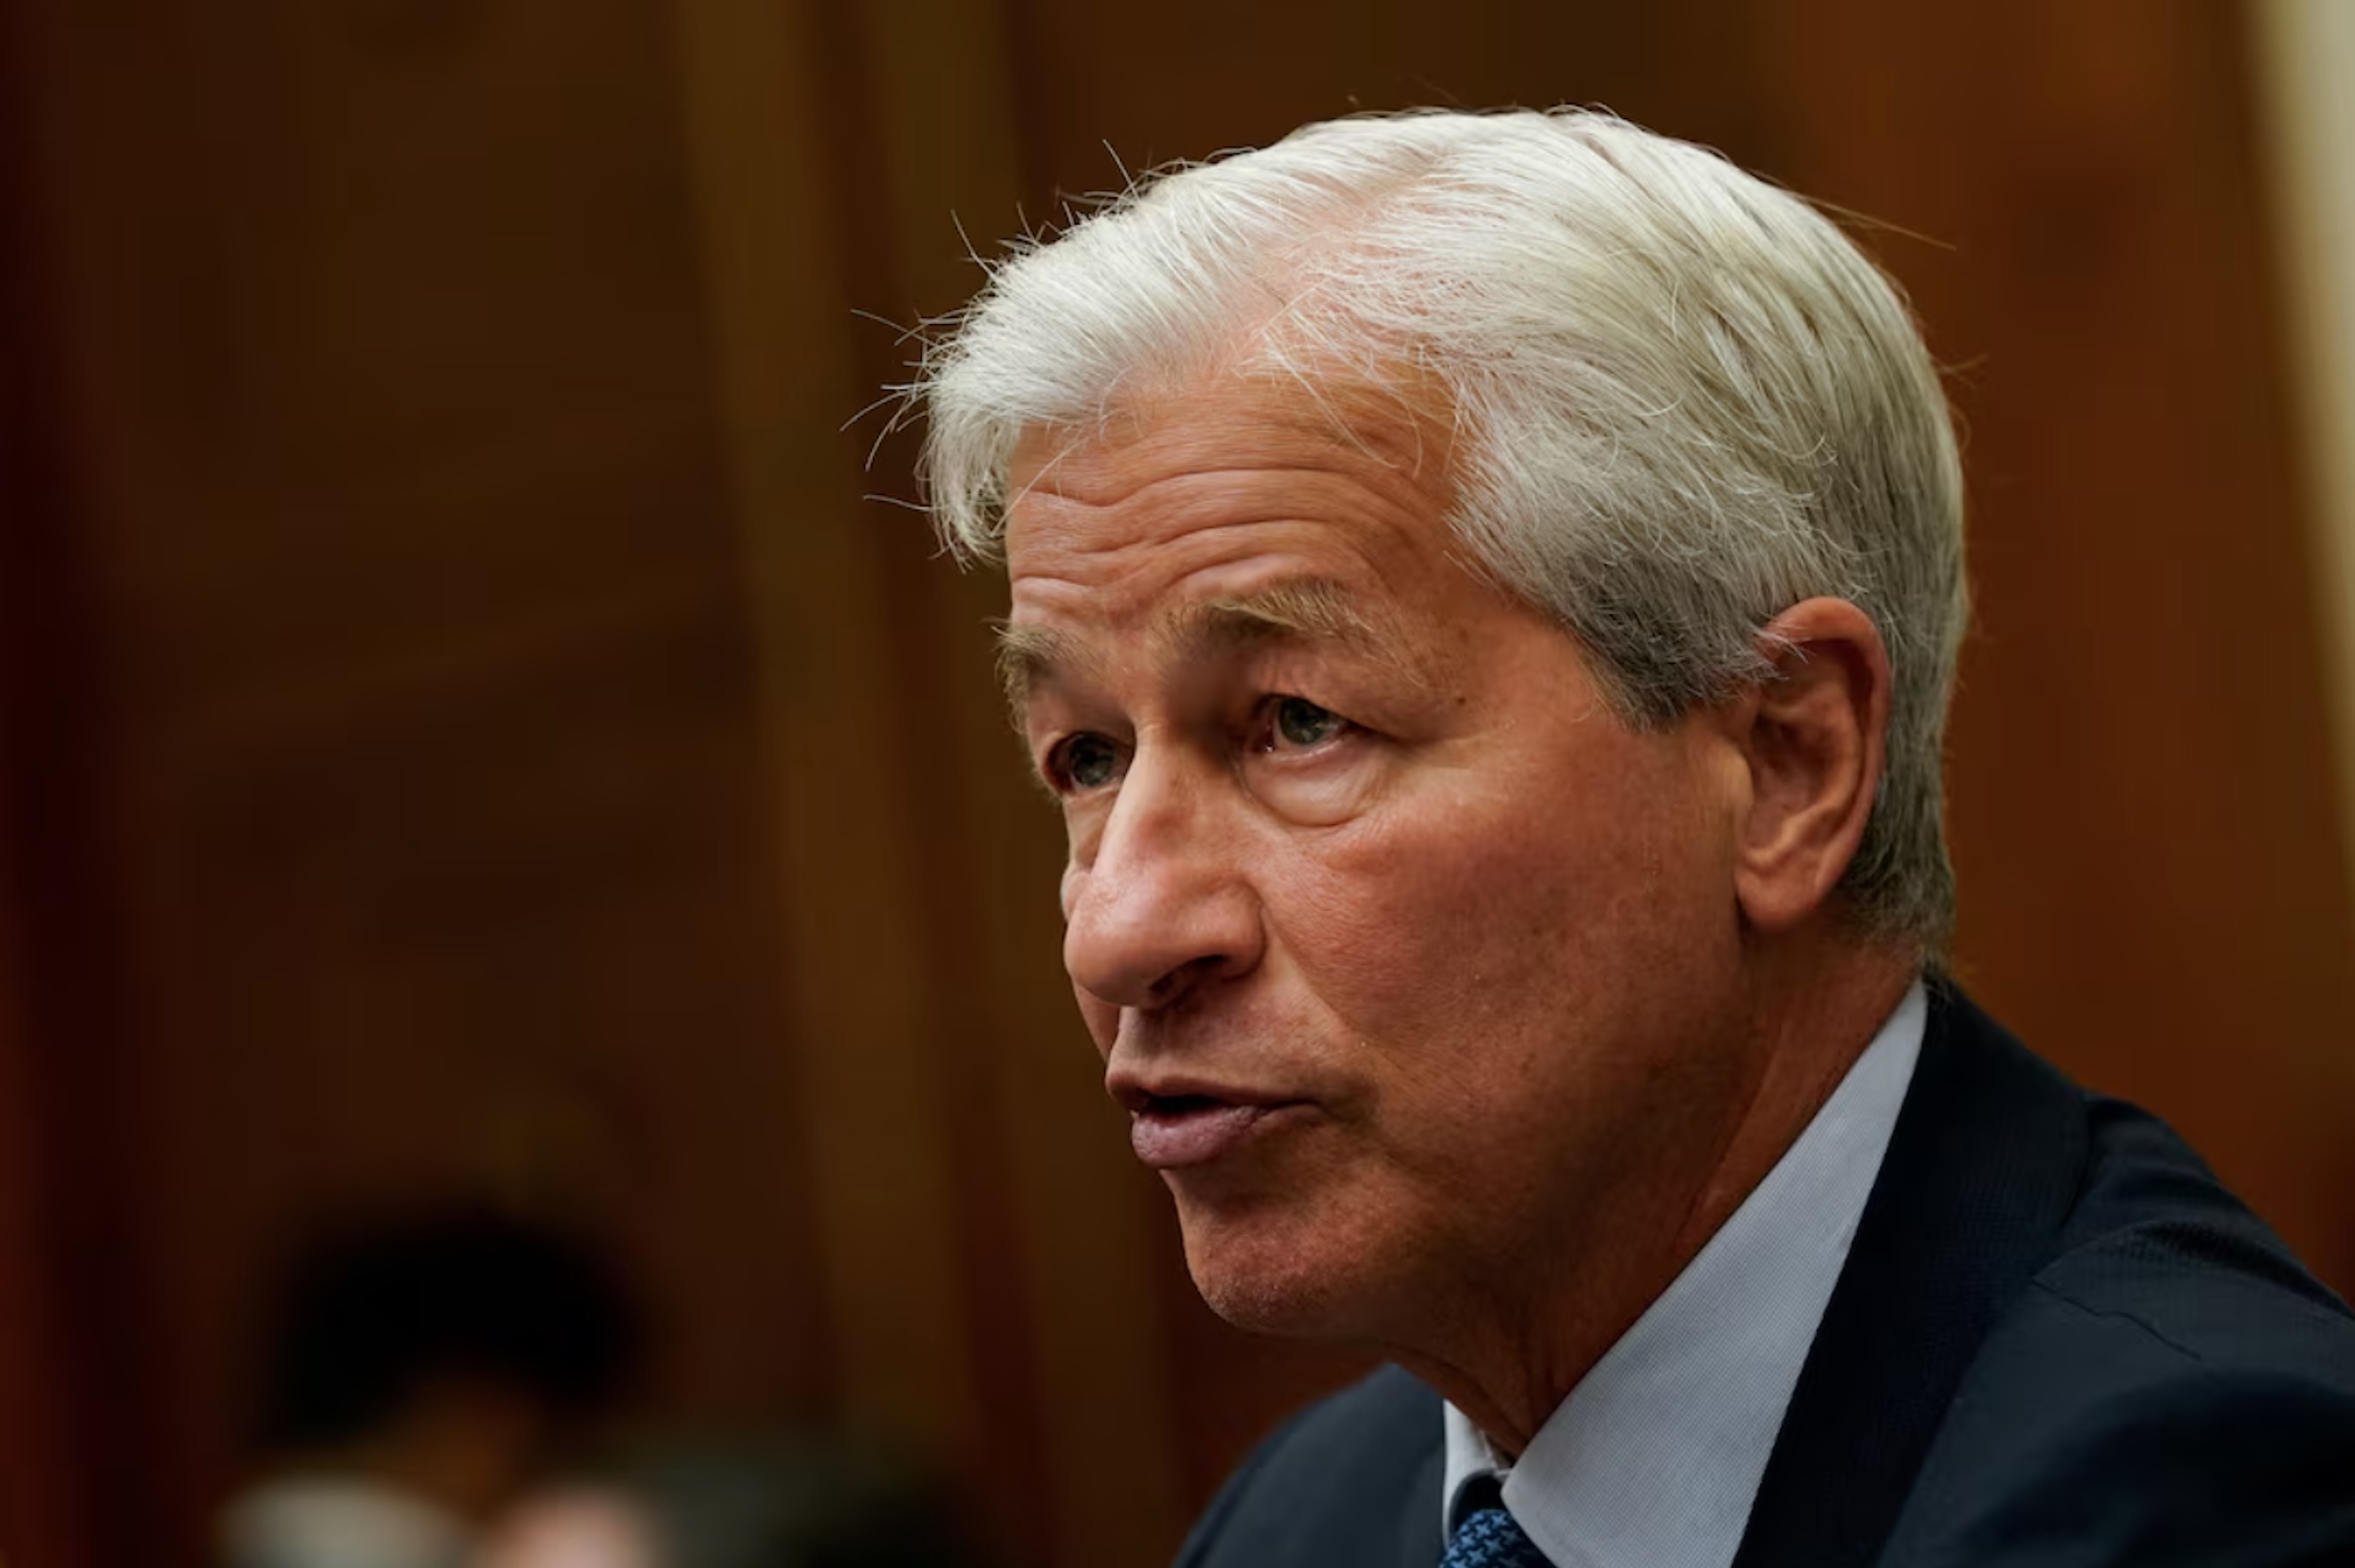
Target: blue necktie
x: 1488, y: 1537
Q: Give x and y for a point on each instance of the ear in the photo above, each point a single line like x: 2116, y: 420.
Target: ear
x: 1812, y: 738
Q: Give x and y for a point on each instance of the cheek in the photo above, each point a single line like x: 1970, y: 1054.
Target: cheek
x: 1101, y: 1018
x: 1522, y: 932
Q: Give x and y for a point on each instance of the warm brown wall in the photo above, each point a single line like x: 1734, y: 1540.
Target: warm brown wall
x: 61, y: 1198
x: 519, y: 760
x: 433, y: 777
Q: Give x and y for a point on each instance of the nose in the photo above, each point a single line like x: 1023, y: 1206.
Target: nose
x: 1158, y: 904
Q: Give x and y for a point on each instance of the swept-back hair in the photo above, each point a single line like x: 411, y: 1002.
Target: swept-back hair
x: 1682, y: 399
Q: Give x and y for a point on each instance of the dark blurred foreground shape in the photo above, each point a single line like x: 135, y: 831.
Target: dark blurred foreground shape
x: 462, y: 729
x: 448, y: 1388
x: 422, y: 1374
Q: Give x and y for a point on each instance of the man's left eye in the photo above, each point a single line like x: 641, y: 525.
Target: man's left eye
x: 1296, y: 721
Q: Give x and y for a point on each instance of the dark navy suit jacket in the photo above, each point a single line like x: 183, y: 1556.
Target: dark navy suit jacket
x: 2058, y: 1342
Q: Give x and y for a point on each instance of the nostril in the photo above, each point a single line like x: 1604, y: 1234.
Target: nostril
x: 1179, y: 980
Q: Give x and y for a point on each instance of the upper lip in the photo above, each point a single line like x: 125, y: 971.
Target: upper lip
x: 1136, y: 1092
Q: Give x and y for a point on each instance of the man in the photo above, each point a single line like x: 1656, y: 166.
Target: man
x: 1485, y: 593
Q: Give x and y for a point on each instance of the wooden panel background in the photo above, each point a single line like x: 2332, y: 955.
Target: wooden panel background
x: 467, y: 728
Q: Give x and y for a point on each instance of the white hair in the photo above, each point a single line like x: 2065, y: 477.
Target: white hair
x: 1685, y: 401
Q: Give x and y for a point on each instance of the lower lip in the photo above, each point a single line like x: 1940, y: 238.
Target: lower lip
x: 1169, y: 1142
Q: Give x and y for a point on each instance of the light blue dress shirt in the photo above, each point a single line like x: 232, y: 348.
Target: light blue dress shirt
x: 1655, y: 1458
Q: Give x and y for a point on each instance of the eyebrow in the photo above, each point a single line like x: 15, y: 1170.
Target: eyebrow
x: 1315, y: 610
x: 1028, y: 658
x: 1309, y: 609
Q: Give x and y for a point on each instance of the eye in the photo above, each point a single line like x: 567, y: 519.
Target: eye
x: 1298, y: 724
x: 1083, y: 762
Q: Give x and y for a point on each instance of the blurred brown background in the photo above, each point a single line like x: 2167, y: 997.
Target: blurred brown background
x: 467, y: 731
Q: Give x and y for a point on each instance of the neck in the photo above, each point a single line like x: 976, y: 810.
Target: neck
x: 1810, y: 1011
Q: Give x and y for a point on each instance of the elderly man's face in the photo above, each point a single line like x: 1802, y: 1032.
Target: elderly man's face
x: 1411, y: 962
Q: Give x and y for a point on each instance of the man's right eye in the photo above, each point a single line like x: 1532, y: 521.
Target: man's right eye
x: 1083, y: 762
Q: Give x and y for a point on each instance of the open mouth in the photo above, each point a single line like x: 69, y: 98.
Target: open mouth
x: 1180, y: 1104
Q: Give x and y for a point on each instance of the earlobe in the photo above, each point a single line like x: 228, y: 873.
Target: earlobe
x: 1812, y: 737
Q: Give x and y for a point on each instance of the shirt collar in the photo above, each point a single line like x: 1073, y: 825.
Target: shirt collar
x: 1655, y: 1457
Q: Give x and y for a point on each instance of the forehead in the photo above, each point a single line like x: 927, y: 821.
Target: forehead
x: 1224, y: 490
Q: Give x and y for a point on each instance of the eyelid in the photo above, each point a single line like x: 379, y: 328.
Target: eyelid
x: 1265, y: 733
x: 1262, y: 736
x: 1054, y: 773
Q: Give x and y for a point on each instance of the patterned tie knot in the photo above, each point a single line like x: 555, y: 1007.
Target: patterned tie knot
x: 1489, y: 1538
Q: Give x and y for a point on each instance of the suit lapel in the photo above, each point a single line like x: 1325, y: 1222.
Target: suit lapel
x: 1982, y: 1168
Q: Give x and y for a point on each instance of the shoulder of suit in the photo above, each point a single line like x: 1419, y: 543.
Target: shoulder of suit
x: 1378, y: 1429
x: 2157, y: 1247
x: 1344, y: 1475
x: 2143, y: 1237
x: 2108, y: 1427
x: 2171, y: 1382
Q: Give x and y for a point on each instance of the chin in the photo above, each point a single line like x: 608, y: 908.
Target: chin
x: 1287, y: 1276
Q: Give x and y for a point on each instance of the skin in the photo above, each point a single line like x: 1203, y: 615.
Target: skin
x: 1526, y: 1000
